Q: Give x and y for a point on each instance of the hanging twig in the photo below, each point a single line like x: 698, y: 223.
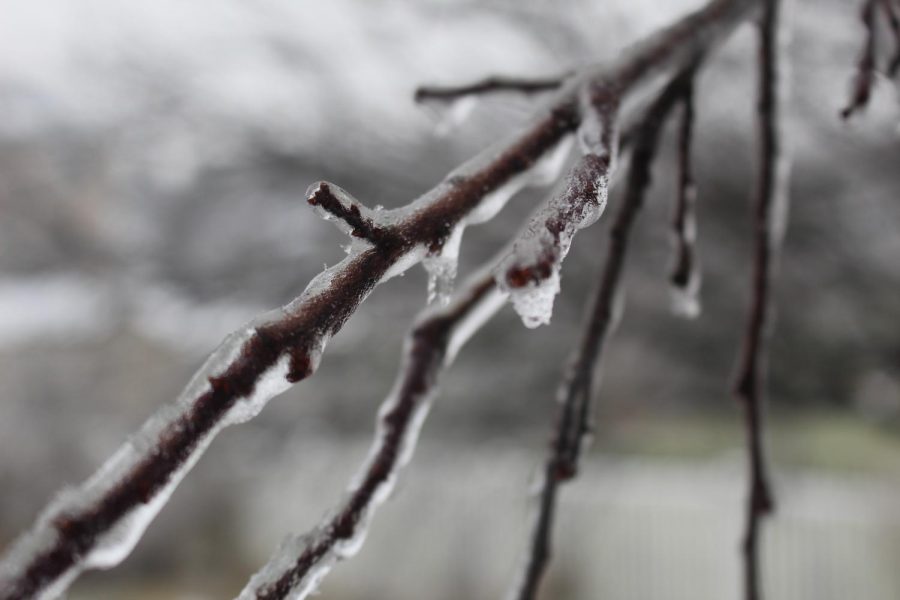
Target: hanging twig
x: 770, y: 212
x: 574, y: 395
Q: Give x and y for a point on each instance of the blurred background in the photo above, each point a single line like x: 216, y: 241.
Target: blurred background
x: 153, y: 160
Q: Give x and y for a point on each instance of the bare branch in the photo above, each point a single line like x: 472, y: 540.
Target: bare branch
x: 685, y: 274
x: 770, y: 213
x: 98, y: 523
x: 865, y: 69
x: 574, y: 394
x: 297, y: 567
x: 490, y: 85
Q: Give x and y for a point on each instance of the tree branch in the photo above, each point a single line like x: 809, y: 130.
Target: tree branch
x: 352, y: 217
x: 98, y: 523
x: 490, y: 85
x: 574, y: 394
x: 770, y: 213
x: 299, y: 565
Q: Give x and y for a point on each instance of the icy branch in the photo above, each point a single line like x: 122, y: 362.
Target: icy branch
x: 98, y: 523
x: 297, y: 567
x: 489, y: 85
x: 685, y: 273
x: 574, y: 395
x: 531, y: 271
x: 769, y: 222
x: 351, y: 217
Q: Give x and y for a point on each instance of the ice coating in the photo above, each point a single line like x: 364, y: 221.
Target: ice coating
x: 112, y: 546
x: 299, y: 564
x: 530, y: 273
x: 780, y: 197
x: 685, y: 275
x: 442, y: 265
x: 685, y: 300
x: 345, y: 285
x: 441, y: 268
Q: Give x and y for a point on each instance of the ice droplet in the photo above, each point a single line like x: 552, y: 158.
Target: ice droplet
x: 685, y: 300
x: 450, y: 115
x: 534, y: 304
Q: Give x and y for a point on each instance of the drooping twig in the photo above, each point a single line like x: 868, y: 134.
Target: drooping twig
x: 770, y: 212
x: 298, y: 566
x: 98, y: 523
x: 489, y: 85
x: 864, y: 78
x: 574, y: 395
x: 685, y: 274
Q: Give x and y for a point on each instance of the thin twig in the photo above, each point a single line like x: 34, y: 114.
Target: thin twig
x: 574, y: 394
x: 768, y: 228
x: 489, y: 85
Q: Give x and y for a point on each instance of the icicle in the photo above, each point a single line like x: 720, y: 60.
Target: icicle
x: 449, y: 115
x: 685, y: 273
x: 441, y: 268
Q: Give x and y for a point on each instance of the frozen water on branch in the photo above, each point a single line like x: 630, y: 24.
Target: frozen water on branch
x: 297, y: 567
x: 111, y: 546
x: 531, y: 272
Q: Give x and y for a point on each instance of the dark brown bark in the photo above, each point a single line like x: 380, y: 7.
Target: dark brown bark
x: 574, y: 395
x: 750, y: 380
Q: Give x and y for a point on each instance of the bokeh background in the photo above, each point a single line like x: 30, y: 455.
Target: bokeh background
x: 153, y: 160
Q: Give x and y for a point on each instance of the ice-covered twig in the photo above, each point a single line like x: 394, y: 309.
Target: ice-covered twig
x: 352, y: 217
x: 489, y: 85
x: 297, y: 567
x: 685, y: 274
x: 573, y: 424
x: 770, y: 212
x: 98, y: 523
x: 864, y: 78
x: 531, y: 271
